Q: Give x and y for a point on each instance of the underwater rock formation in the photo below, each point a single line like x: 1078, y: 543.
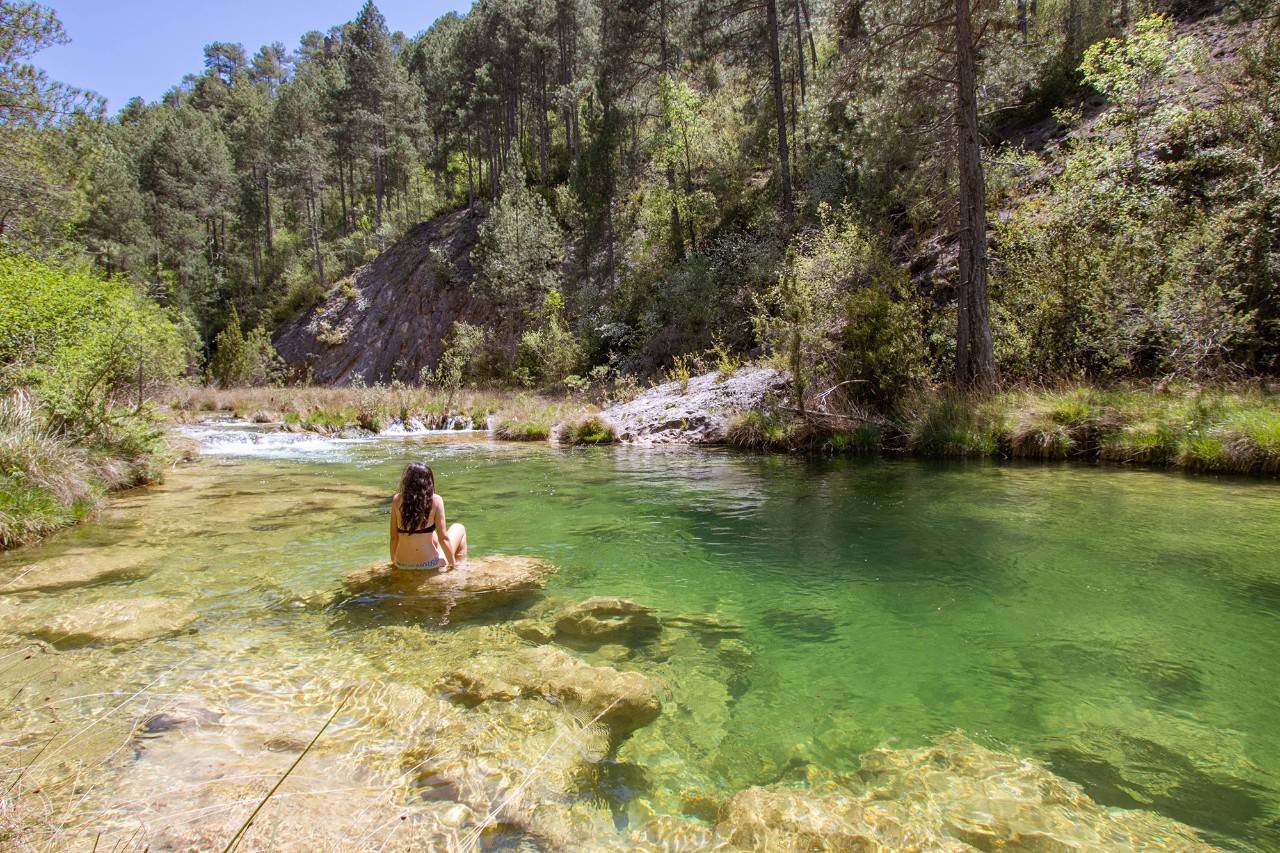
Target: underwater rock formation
x: 952, y: 796
x: 623, y: 701
x: 121, y: 621
x: 476, y: 587
x: 602, y: 619
x: 76, y: 569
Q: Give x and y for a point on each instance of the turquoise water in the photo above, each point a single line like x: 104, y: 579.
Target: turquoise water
x: 1121, y: 626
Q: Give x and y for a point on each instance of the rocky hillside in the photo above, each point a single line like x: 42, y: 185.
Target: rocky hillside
x: 388, y: 320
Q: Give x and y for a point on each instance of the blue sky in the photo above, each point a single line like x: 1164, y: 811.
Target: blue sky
x: 122, y: 48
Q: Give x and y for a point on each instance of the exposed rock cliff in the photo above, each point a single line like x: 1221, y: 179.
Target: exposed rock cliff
x: 388, y: 320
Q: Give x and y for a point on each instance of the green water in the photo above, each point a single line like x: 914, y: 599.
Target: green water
x: 1123, y: 627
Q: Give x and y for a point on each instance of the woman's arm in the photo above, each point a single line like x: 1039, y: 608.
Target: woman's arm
x: 442, y: 532
x: 395, y: 528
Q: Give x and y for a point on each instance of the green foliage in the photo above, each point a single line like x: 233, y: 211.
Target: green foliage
x: 240, y: 359
x: 591, y: 429
x: 462, y: 357
x: 92, y: 349
x: 1150, y: 252
x: 839, y: 311
x: 509, y: 429
x: 520, y: 248
x: 549, y: 353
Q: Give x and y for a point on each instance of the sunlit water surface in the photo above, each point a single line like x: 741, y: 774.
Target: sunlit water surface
x: 1121, y: 626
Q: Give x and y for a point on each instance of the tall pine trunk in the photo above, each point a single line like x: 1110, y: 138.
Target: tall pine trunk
x: 677, y: 231
x: 313, y: 226
x: 975, y: 357
x: 780, y: 110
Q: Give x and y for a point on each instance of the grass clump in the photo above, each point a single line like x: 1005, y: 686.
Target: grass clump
x: 590, y: 429
x: 770, y: 430
x: 759, y: 431
x: 956, y: 426
x: 513, y: 429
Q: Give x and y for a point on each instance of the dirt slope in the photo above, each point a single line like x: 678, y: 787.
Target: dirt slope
x: 388, y: 319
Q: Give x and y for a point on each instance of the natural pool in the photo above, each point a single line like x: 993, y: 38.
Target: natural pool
x: 1121, y: 627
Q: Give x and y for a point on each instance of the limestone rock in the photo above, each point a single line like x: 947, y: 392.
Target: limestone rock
x: 602, y: 619
x: 623, y: 701
x: 73, y: 570
x: 475, y: 587
x: 182, y: 713
x: 533, y: 631
x: 696, y: 412
x: 121, y: 621
x: 952, y: 796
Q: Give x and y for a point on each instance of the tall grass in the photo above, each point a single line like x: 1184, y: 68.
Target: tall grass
x: 1222, y: 431
x: 46, y: 481
x: 587, y: 429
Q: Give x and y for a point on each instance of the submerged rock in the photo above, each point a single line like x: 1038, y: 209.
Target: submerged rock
x: 533, y: 631
x: 121, y: 621
x: 182, y: 713
x: 697, y: 411
x: 602, y: 619
x: 474, y: 588
x: 954, y: 796
x: 73, y: 570
x: 622, y: 701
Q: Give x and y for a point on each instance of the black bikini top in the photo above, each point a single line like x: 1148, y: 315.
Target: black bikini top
x: 431, y: 528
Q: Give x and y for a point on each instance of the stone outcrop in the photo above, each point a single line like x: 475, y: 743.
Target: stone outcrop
x: 952, y: 796
x: 391, y: 317
x: 601, y: 620
x: 127, y: 620
x: 698, y: 411
x: 73, y: 570
x: 623, y: 701
x: 474, y: 588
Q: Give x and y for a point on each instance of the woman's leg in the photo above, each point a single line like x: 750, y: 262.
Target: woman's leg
x: 458, y: 539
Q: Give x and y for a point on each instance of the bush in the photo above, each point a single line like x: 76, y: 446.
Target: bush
x: 953, y: 425
x: 46, y: 482
x: 242, y: 360
x: 550, y: 353
x: 591, y: 429
x: 510, y: 429
x: 92, y: 349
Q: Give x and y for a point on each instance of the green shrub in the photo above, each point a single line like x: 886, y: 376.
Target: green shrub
x: 549, y: 353
x: 591, y: 429
x: 953, y: 425
x: 883, y: 342
x: 46, y: 481
x: 93, y: 350
x: 518, y: 430
x: 240, y: 360
x: 759, y: 430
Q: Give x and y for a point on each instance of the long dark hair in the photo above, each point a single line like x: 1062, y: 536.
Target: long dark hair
x: 417, y: 489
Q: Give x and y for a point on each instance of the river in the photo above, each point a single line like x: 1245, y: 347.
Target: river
x: 1119, y: 627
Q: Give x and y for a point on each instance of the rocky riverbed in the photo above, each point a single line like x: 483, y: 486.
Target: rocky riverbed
x: 526, y: 707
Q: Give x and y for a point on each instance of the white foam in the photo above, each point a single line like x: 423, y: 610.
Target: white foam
x: 234, y: 437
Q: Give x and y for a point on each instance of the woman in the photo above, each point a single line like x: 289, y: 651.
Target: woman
x: 420, y: 538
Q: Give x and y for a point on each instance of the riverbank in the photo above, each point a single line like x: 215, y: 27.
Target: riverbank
x: 49, y: 480
x: 1214, y: 430
x: 1202, y: 430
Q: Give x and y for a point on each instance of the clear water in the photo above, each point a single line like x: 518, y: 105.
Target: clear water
x: 1121, y: 626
